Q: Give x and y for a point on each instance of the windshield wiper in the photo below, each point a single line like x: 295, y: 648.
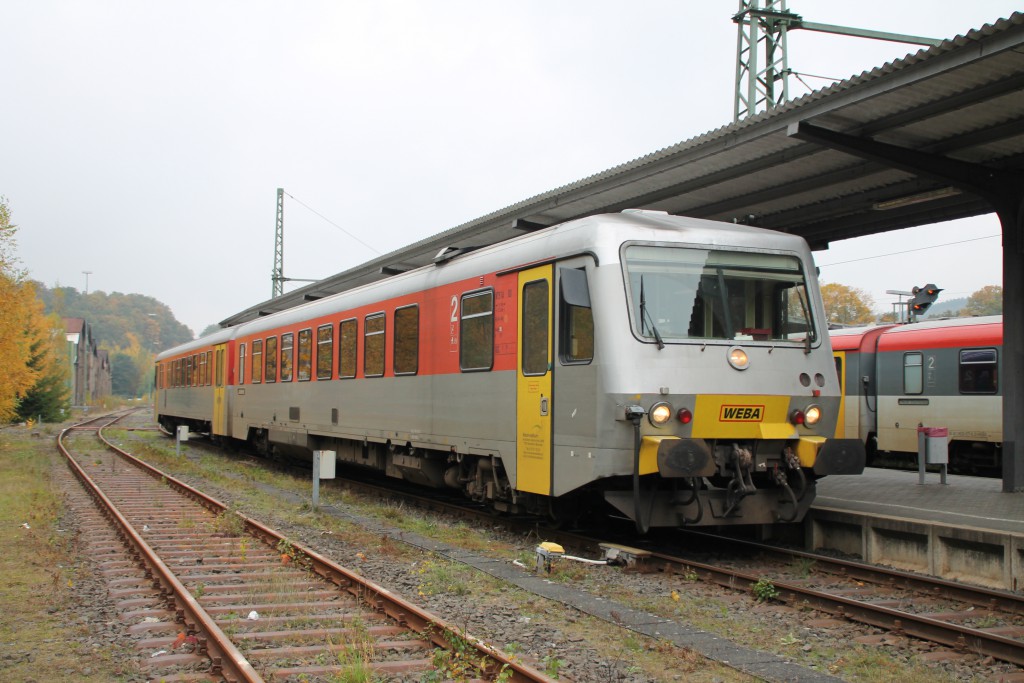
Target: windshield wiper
x: 645, y: 317
x: 807, y: 320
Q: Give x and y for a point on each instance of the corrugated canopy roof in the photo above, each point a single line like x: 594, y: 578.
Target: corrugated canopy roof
x: 962, y: 99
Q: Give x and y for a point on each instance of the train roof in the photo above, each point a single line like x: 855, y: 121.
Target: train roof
x: 945, y: 332
x: 600, y: 236
x: 196, y: 345
x: 979, y: 331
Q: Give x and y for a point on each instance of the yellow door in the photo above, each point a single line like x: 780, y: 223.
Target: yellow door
x: 533, y: 385
x: 840, y: 357
x: 219, y: 371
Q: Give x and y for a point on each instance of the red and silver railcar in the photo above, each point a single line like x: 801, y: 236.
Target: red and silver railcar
x: 941, y: 373
x: 675, y: 369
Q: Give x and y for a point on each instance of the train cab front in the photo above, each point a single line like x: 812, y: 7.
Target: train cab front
x: 737, y: 393
x: 709, y: 460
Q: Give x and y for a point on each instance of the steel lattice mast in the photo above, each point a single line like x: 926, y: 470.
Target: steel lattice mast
x: 277, y: 275
x: 761, y: 40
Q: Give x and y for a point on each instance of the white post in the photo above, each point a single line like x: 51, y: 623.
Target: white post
x: 181, y: 434
x: 316, y: 479
x: 323, y: 468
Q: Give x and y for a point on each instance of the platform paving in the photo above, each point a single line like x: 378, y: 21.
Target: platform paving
x: 977, y: 502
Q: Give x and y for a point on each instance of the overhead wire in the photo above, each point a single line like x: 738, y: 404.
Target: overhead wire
x: 906, y: 251
x: 333, y: 223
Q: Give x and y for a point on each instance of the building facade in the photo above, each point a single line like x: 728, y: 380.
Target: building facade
x: 89, y: 376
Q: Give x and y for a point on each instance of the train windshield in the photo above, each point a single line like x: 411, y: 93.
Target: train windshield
x: 681, y: 293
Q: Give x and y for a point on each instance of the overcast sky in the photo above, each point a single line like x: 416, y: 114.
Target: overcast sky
x: 145, y: 141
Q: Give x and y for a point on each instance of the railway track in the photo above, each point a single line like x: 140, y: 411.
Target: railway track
x: 215, y: 595
x: 966, y: 618
x: 969, y: 619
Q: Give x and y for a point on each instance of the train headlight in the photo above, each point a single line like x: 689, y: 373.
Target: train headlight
x: 660, y: 414
x: 738, y: 358
x: 685, y: 416
x: 796, y: 417
x: 812, y: 414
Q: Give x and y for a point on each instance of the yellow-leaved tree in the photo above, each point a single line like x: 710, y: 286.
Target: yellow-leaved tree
x: 31, y: 350
x: 986, y: 301
x: 847, y: 305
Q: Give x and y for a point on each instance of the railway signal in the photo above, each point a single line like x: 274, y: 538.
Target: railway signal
x: 922, y: 300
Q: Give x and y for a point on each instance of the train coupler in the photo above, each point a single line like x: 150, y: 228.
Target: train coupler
x: 782, y: 481
x: 793, y: 465
x: 741, y: 485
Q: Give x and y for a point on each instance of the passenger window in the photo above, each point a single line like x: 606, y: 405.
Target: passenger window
x: 535, y: 328
x: 325, y: 352
x: 913, y: 373
x: 271, y: 355
x: 286, y: 356
x: 257, y: 361
x: 476, y: 338
x: 304, y: 363
x: 241, y: 363
x: 576, y: 320
x: 979, y: 371
x: 407, y: 340
x: 348, y: 334
x: 373, y: 345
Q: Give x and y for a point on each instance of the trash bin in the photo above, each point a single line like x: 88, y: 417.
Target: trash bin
x: 933, y: 443
x: 932, y: 449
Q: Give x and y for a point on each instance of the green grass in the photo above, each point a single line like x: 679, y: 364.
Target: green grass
x: 39, y: 638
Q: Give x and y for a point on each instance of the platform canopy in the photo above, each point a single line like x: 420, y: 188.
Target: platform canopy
x: 935, y: 136
x: 961, y: 101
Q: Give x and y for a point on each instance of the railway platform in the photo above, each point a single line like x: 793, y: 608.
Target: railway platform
x: 967, y: 529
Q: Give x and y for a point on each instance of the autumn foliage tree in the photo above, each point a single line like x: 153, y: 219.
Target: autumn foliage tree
x: 30, y: 356
x: 49, y: 398
x: 847, y: 305
x: 986, y: 301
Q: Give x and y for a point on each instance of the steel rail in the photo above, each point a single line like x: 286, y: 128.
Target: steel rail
x: 494, y: 662
x: 975, y: 595
x: 945, y: 633
x: 226, y: 659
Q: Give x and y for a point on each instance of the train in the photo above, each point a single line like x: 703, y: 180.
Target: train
x: 666, y: 370
x: 935, y: 373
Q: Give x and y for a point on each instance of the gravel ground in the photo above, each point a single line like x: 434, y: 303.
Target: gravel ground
x: 558, y: 639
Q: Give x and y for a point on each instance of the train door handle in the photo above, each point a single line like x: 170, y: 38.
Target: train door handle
x: 544, y: 405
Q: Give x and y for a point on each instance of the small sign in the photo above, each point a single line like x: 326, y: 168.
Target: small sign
x: 327, y: 464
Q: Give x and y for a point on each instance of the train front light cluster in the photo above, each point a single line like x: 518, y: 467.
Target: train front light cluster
x: 738, y: 358
x: 809, y: 416
x: 660, y: 414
